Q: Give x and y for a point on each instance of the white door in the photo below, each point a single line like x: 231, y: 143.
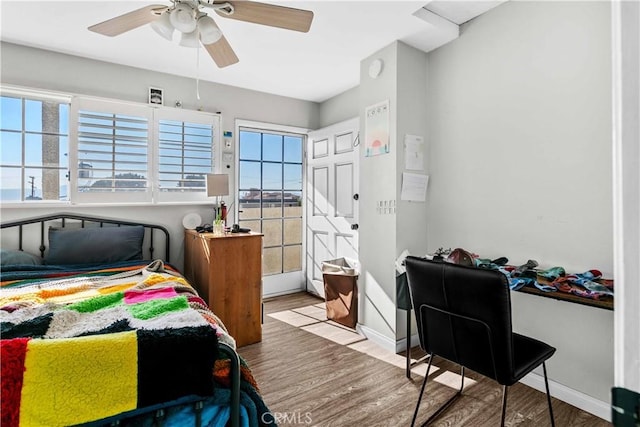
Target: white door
x: 332, y: 198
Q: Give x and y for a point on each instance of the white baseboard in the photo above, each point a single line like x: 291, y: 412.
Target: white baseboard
x: 383, y: 341
x: 559, y: 391
x: 401, y: 344
x: 572, y: 397
x: 282, y: 284
x: 281, y: 292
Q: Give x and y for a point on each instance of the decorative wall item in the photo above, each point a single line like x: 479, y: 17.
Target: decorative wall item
x: 155, y: 96
x: 377, y: 129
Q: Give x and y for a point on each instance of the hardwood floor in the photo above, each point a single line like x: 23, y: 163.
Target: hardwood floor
x: 309, y: 380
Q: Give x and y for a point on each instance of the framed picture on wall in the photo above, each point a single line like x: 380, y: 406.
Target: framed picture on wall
x: 376, y: 139
x: 155, y: 96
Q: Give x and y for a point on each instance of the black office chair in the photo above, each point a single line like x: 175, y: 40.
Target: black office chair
x: 463, y: 315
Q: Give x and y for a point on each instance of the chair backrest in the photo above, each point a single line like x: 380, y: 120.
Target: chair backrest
x: 463, y: 314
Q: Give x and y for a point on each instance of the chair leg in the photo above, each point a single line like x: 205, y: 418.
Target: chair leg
x: 546, y: 384
x: 444, y: 405
x: 504, y: 404
x: 424, y: 383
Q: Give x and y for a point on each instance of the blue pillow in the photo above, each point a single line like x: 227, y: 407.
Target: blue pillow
x: 94, y: 245
x: 11, y: 257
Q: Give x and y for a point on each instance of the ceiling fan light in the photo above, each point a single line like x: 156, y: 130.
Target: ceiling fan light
x: 209, y: 31
x: 163, y: 26
x: 190, y: 39
x: 183, y: 18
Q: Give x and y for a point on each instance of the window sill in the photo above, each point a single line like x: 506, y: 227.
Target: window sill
x: 48, y: 205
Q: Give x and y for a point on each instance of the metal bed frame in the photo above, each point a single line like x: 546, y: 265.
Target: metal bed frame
x: 151, y: 230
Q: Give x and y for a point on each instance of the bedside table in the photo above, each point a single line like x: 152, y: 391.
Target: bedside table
x: 227, y: 273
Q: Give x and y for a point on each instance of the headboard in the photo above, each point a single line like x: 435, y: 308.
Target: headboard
x: 153, y: 232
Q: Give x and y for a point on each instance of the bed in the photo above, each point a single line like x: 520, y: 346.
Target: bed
x: 97, y: 328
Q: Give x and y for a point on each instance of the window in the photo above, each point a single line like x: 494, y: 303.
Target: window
x: 90, y: 150
x: 137, y: 153
x: 112, y: 153
x: 34, y: 140
x: 186, y: 147
x: 185, y: 155
x: 270, y: 195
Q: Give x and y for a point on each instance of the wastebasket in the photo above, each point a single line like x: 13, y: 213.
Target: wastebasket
x: 341, y: 291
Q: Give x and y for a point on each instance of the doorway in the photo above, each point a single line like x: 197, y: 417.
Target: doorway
x: 331, y: 198
x: 270, y: 195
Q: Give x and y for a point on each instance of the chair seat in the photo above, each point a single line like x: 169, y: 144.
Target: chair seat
x: 528, y: 353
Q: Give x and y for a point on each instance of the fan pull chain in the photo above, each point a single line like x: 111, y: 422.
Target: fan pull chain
x: 198, y: 72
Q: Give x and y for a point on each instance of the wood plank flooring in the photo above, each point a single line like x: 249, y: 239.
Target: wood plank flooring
x: 308, y: 380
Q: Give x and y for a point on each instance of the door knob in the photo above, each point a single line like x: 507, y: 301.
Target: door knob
x: 354, y: 226
x: 356, y: 196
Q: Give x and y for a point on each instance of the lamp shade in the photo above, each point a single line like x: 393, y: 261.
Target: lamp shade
x: 217, y: 184
x: 163, y: 26
x: 190, y: 39
x: 209, y: 31
x: 183, y: 18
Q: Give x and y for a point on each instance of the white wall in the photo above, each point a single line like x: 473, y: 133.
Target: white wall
x: 384, y: 236
x: 340, y: 108
x: 411, y: 227
x: 377, y: 182
x: 520, y: 160
x: 36, y: 68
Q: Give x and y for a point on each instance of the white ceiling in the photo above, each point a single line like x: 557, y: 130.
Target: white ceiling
x: 312, y: 66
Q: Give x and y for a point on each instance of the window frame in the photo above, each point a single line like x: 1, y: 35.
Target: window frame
x: 37, y: 95
x: 152, y: 196
x: 164, y: 113
x: 284, y: 131
x: 108, y: 107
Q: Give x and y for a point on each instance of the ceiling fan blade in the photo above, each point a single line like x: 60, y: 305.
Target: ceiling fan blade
x: 271, y: 15
x: 221, y: 52
x: 129, y: 21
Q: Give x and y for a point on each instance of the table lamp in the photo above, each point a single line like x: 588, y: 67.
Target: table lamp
x: 217, y: 186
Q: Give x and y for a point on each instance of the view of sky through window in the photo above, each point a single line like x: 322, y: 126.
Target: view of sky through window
x: 270, y: 195
x: 279, y: 156
x: 34, y: 146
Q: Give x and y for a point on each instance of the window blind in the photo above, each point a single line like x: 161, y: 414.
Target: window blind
x: 112, y: 152
x: 185, y: 155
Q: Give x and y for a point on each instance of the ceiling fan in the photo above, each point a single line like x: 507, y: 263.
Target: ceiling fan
x: 197, y: 27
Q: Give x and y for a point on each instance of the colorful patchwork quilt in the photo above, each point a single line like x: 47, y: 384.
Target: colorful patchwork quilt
x: 88, y: 346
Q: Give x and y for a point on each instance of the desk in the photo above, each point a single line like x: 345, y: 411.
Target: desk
x: 403, y: 302
x: 604, y: 302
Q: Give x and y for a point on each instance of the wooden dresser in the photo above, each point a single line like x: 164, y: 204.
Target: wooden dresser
x: 227, y: 273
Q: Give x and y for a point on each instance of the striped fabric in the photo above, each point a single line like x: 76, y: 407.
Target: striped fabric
x: 84, y: 348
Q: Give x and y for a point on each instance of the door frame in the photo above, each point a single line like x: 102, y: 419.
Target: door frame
x: 284, y: 283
